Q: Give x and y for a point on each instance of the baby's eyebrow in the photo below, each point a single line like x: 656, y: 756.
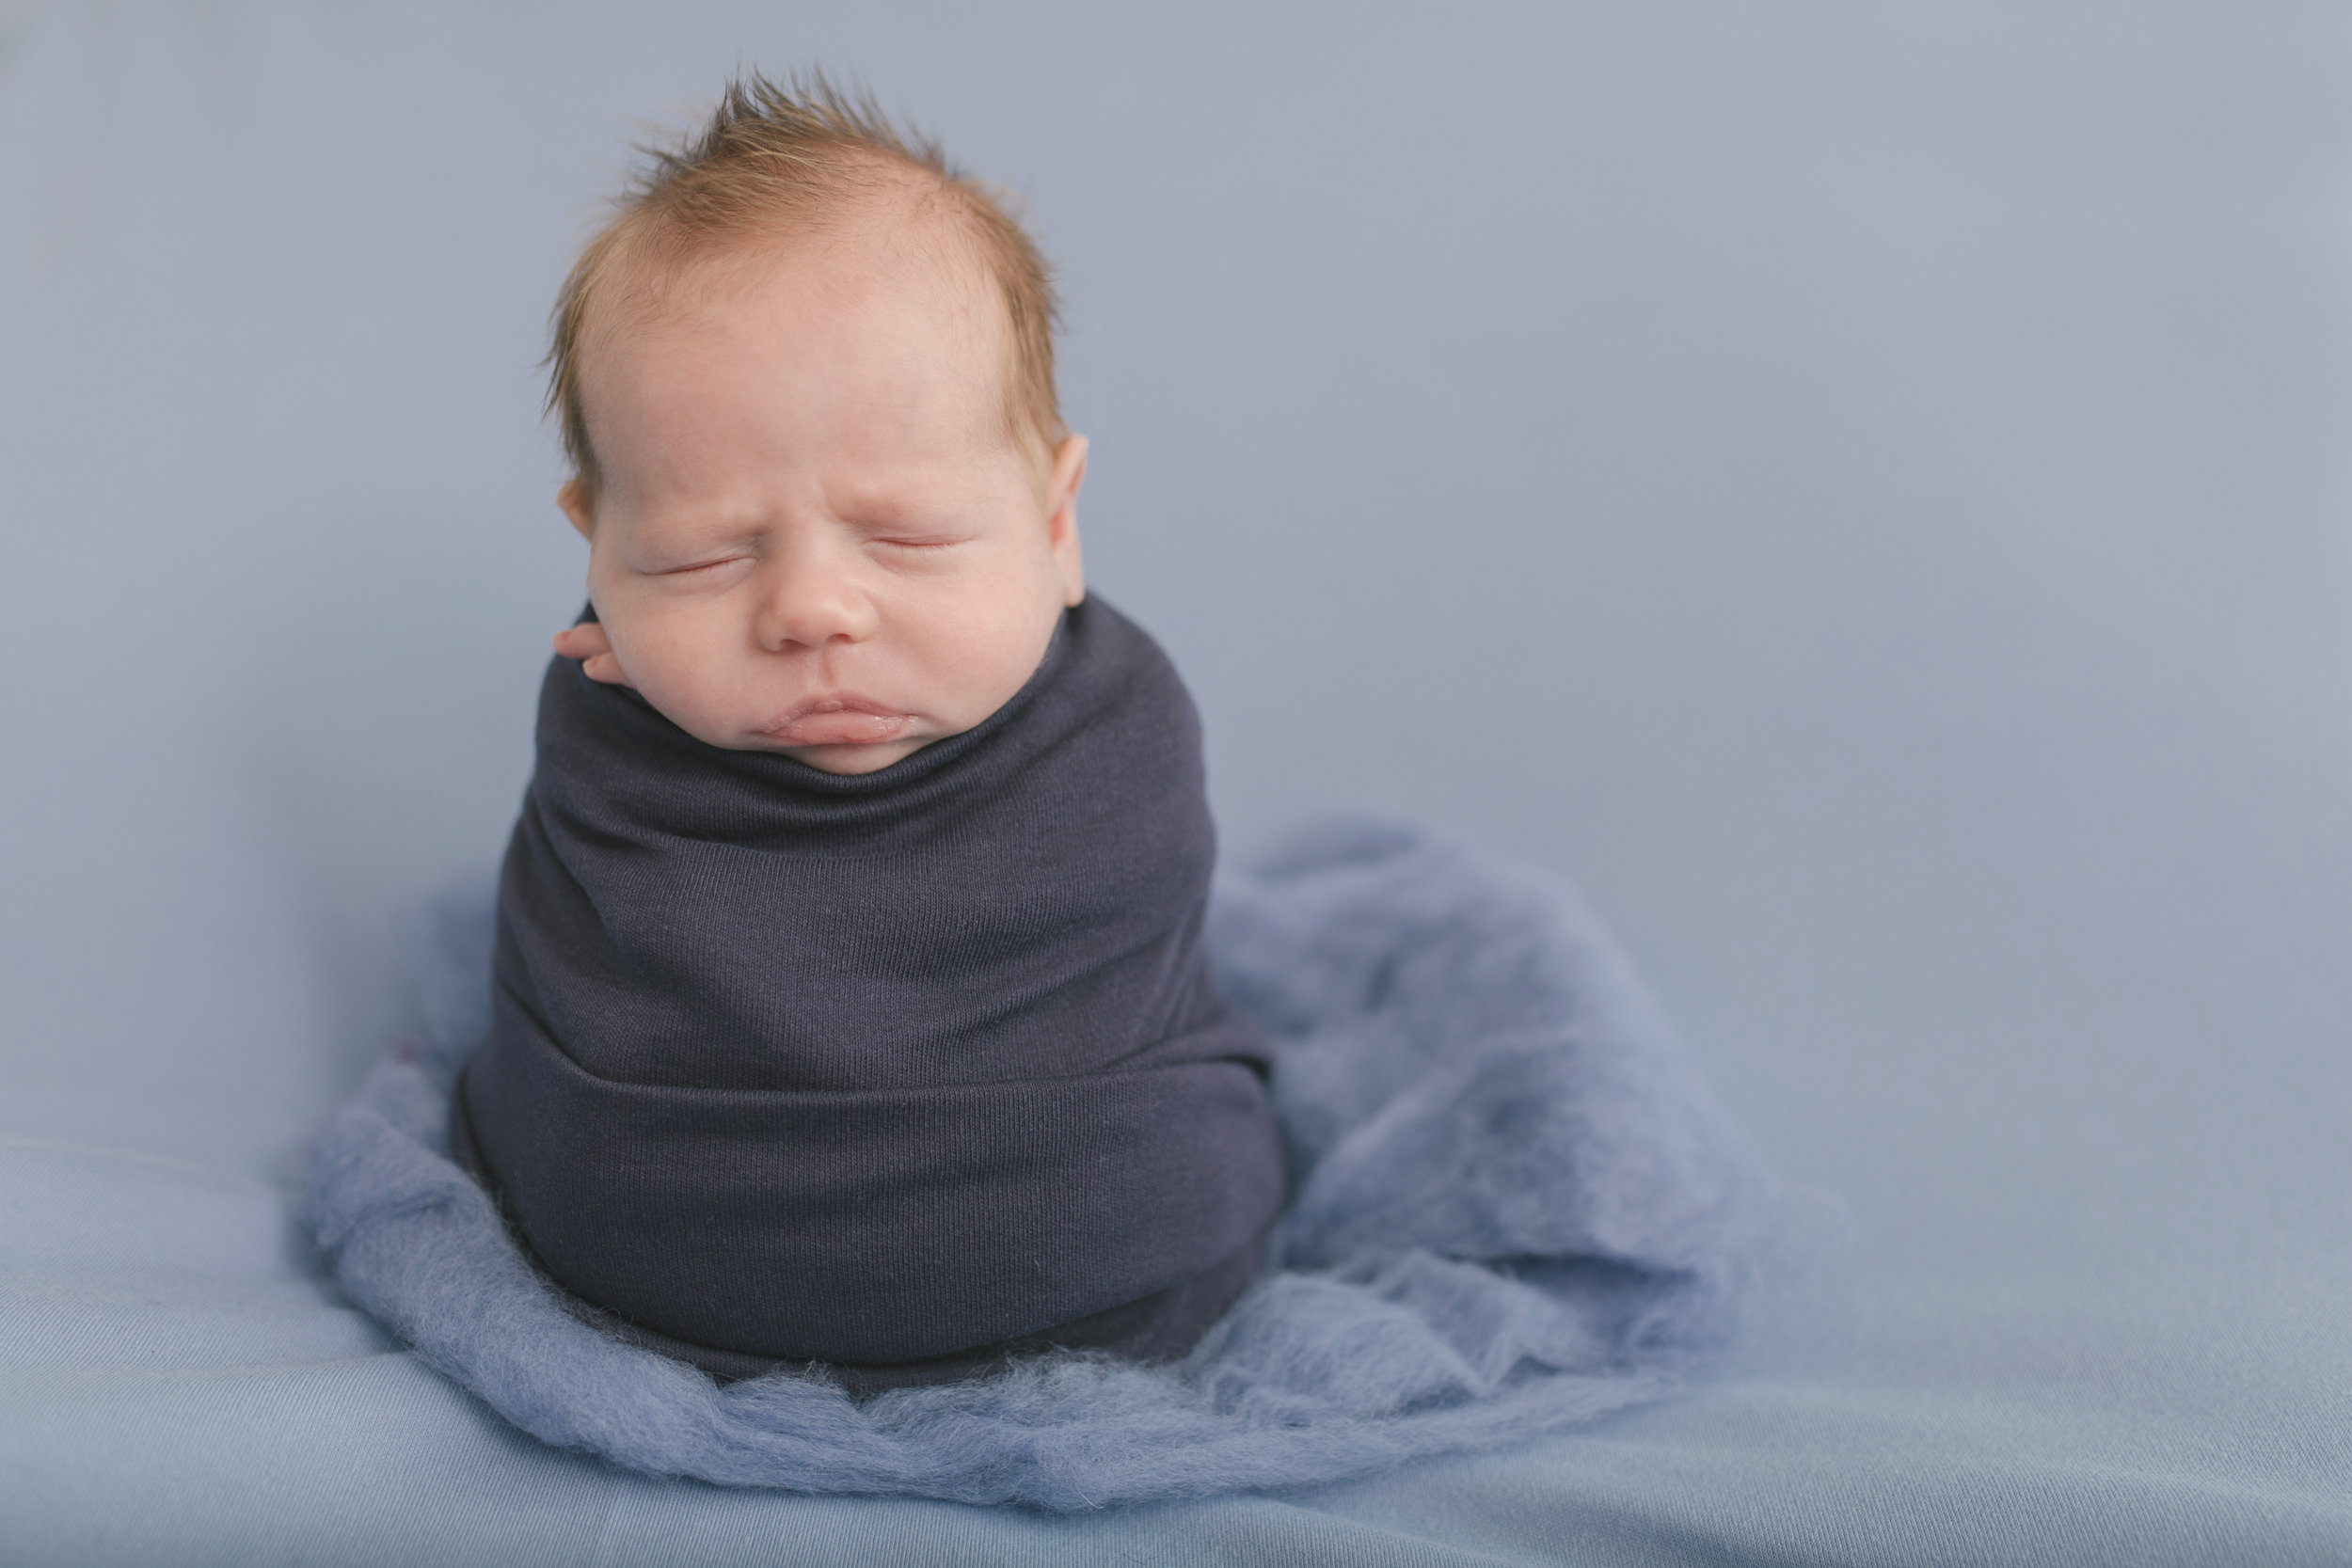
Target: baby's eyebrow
x: 673, y: 541
x: 699, y: 527
x: 905, y: 520
x: 898, y: 509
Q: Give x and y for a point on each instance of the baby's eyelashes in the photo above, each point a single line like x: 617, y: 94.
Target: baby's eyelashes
x: 710, y: 565
x: 914, y: 551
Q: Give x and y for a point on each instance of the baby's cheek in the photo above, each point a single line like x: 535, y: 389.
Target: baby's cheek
x: 996, y: 654
x: 661, y: 657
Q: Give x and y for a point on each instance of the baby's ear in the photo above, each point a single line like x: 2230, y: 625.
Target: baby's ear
x: 1062, y: 483
x: 580, y: 506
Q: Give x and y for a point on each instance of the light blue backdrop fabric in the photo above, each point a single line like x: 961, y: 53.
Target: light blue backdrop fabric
x: 1861, y: 490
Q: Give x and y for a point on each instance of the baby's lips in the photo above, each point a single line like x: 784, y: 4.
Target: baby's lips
x: 841, y: 729
x: 838, y: 722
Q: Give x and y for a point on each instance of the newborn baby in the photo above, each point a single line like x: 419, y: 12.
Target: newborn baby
x: 850, y: 1003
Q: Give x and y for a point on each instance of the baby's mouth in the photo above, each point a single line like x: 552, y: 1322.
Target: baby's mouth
x: 843, y: 720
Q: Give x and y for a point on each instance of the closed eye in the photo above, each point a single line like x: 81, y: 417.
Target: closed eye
x: 700, y: 566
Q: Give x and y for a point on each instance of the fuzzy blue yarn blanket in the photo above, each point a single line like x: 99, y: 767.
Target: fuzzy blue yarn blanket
x: 1517, y: 1210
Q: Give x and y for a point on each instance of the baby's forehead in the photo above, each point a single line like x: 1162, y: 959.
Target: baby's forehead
x: 886, y: 329
x: 911, y: 264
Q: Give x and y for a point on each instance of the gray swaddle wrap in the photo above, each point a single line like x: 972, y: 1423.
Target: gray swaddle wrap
x: 894, y: 1071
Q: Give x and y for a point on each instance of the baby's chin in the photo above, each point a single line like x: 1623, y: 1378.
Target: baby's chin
x: 847, y: 758
x: 856, y: 736
x: 839, y: 744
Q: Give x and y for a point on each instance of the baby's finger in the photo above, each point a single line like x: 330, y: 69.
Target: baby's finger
x: 605, y: 668
x: 583, y: 642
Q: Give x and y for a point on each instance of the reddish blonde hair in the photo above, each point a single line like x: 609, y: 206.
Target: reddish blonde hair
x: 796, y: 159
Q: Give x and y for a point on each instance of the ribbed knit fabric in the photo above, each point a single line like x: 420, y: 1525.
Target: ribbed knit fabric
x: 895, y: 1071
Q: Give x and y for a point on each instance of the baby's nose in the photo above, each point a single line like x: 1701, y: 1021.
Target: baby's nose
x: 809, y: 605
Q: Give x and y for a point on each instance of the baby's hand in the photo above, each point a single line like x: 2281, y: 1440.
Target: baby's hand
x: 587, y: 643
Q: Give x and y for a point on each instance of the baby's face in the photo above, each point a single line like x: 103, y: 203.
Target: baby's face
x: 813, y: 534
